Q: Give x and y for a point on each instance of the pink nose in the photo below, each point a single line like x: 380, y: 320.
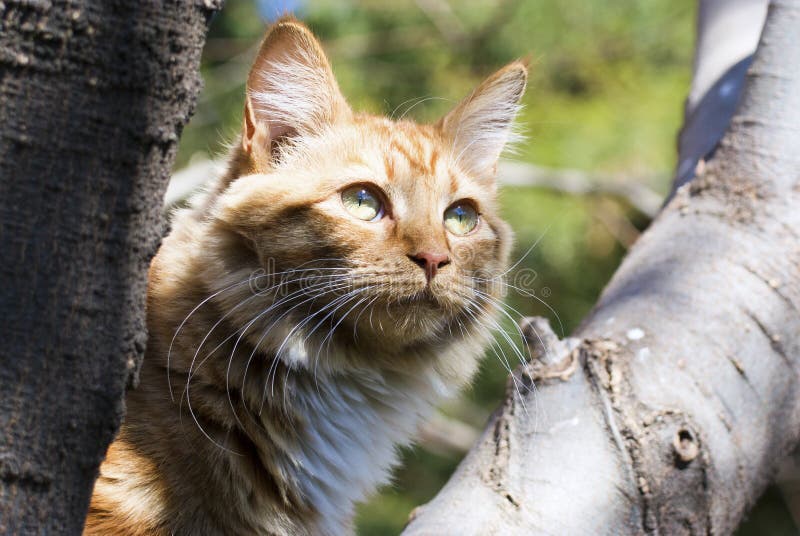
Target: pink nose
x: 430, y: 262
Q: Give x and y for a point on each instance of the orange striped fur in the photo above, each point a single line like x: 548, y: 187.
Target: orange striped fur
x: 256, y: 413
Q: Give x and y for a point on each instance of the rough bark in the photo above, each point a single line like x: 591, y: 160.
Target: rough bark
x: 93, y: 96
x: 673, y: 405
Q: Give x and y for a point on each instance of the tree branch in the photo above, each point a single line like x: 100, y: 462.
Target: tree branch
x: 684, y: 396
x: 445, y: 435
x: 572, y: 181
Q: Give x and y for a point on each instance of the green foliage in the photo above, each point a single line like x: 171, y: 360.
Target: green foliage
x: 606, y: 91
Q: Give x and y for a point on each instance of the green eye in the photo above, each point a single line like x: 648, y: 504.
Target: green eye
x: 460, y: 218
x: 362, y: 203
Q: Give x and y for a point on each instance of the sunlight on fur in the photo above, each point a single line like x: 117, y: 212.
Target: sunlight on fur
x: 310, y: 308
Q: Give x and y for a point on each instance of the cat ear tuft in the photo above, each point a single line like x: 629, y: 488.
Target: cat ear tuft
x: 481, y: 125
x: 291, y: 90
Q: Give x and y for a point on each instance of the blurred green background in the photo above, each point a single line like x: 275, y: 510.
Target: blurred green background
x: 606, y: 90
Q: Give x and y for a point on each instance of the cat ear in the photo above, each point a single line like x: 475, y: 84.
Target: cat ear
x: 291, y: 90
x: 481, y: 125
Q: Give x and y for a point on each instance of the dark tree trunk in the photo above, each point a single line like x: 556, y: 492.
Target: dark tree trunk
x: 93, y: 97
x: 672, y: 407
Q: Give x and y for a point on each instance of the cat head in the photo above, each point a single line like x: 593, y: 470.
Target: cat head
x: 391, y: 226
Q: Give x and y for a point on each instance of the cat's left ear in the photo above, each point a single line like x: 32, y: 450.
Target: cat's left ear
x: 291, y: 90
x: 481, y: 125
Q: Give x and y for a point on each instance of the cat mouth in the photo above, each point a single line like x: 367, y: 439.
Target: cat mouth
x: 430, y: 301
x: 426, y: 296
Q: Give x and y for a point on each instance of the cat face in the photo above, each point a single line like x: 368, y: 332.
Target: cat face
x: 385, y: 228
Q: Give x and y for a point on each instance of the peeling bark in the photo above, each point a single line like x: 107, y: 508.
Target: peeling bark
x: 685, y: 397
x: 93, y: 97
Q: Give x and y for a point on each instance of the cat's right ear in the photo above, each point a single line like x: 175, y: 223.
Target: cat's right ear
x: 291, y: 90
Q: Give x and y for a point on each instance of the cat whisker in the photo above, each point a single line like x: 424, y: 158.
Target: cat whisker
x: 338, y: 306
x: 316, y: 361
x: 530, y: 294
x: 180, y: 327
x: 355, y: 322
x: 192, y: 370
x: 420, y: 101
x: 501, y: 306
x: 262, y: 337
x: 336, y: 286
x: 272, y: 371
x: 527, y: 252
x: 297, y: 327
x: 391, y: 115
x: 226, y: 315
x: 504, y: 359
x: 329, y: 336
x: 243, y: 330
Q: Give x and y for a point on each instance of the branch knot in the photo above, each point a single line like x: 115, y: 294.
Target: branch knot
x: 551, y: 357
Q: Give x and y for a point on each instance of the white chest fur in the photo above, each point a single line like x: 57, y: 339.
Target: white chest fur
x: 353, y: 426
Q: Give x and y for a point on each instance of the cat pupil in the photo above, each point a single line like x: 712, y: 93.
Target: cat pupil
x: 361, y: 196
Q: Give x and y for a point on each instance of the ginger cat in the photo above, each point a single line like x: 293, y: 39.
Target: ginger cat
x: 311, y: 308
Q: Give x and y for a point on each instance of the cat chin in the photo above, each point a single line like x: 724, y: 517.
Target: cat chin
x: 397, y: 324
x: 393, y: 334
x: 384, y: 337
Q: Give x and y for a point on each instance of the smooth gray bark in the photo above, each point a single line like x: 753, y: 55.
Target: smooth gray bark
x: 673, y: 405
x: 727, y: 35
x: 93, y: 97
